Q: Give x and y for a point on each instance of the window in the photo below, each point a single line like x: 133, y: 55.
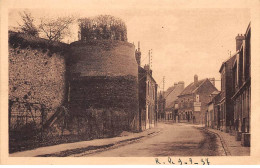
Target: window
x: 235, y: 76
x: 153, y: 93
x: 148, y: 88
x: 223, y: 80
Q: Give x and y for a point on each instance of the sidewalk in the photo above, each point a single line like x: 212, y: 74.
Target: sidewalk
x: 231, y: 146
x: 84, y: 146
x: 228, y: 142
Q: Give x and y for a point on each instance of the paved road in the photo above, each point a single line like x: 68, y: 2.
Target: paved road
x: 173, y: 140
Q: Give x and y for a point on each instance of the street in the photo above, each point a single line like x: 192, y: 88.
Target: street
x: 173, y: 140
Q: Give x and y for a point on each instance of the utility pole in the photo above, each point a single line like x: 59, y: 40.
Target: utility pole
x: 163, y: 85
x: 163, y: 101
x: 151, y: 58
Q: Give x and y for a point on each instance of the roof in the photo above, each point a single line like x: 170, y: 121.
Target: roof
x: 171, y: 105
x: 142, y: 70
x: 192, y: 87
x: 248, y: 28
x: 215, y: 96
x: 227, y: 60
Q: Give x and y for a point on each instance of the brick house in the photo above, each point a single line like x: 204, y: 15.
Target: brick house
x: 227, y: 91
x: 171, y: 96
x: 161, y: 107
x: 194, y: 99
x: 147, y: 95
x: 241, y: 72
x: 212, y: 113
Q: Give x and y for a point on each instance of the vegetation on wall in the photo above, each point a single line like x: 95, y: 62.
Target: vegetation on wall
x: 102, y: 27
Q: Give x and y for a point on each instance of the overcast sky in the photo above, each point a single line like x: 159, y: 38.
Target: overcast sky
x: 184, y: 41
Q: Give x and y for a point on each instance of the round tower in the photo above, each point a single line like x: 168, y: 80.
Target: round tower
x: 104, y: 75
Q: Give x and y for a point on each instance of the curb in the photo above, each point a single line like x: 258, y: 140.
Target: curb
x: 90, y: 149
x: 66, y: 149
x: 223, y: 144
x: 115, y: 145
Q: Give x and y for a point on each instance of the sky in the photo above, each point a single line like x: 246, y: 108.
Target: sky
x: 185, y: 41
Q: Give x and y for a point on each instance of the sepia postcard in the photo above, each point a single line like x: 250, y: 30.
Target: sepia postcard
x: 112, y: 82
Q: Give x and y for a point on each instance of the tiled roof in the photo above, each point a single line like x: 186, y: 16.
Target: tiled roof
x: 191, y: 87
x: 171, y: 105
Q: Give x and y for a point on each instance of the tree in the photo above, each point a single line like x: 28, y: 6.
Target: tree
x: 28, y: 26
x: 56, y: 29
x: 102, y: 27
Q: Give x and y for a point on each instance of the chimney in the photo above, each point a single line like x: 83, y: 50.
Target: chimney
x: 147, y: 69
x: 212, y: 80
x: 239, y: 41
x: 175, y: 84
x: 196, y: 80
x: 138, y: 55
x: 181, y: 84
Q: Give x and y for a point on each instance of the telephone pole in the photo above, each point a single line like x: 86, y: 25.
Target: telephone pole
x: 151, y: 58
x: 163, y: 85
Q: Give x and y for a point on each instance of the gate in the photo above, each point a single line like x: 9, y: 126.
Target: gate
x: 26, y: 120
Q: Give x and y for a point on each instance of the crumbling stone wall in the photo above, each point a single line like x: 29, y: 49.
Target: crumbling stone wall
x: 37, y: 86
x: 36, y: 71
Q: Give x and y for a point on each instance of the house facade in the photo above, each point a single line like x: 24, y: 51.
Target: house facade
x: 192, y: 102
x: 232, y: 106
x: 175, y: 112
x: 213, y: 112
x: 161, y: 107
x: 227, y: 90
x: 147, y: 93
x: 171, y: 96
x: 242, y: 88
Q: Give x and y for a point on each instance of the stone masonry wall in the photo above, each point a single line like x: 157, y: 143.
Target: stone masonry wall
x: 36, y: 71
x: 36, y: 77
x: 37, y: 88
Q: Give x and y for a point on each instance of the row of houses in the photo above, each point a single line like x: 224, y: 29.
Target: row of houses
x: 188, y: 104
x: 166, y: 101
x: 200, y: 102
x: 229, y: 110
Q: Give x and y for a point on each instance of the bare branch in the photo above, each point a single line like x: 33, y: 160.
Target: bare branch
x: 28, y: 26
x: 56, y: 29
